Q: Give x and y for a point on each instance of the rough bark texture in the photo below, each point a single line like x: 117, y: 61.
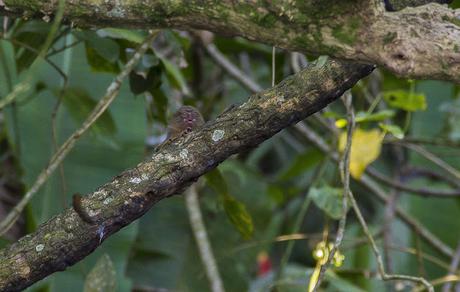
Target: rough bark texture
x: 420, y: 42
x: 65, y: 239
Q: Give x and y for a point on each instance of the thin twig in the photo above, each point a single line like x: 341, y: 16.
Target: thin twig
x: 54, y: 134
x: 300, y: 217
x: 421, y: 140
x: 202, y: 240
x: 433, y: 158
x: 26, y: 84
x: 344, y: 166
x: 231, y: 69
x: 453, y: 268
x: 37, y: 52
x: 365, y: 180
x: 381, y: 268
x: 418, y: 191
x: 63, y: 48
x: 62, y: 152
x: 431, y: 174
x: 419, y: 254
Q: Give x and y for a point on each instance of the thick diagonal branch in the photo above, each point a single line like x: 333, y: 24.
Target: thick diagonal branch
x: 65, y: 239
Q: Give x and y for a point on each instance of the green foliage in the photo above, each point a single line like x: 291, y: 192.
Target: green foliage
x: 405, y: 100
x: 392, y: 129
x: 235, y: 210
x: 79, y: 104
x: 239, y: 216
x: 102, y: 276
x: 329, y: 200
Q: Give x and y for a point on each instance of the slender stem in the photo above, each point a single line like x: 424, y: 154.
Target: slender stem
x: 202, y: 240
x: 452, y: 268
x: 412, y: 190
x: 433, y: 158
x: 26, y: 84
x: 65, y: 148
x: 344, y: 166
x: 300, y: 216
x: 232, y: 69
x: 378, y: 256
x: 366, y: 181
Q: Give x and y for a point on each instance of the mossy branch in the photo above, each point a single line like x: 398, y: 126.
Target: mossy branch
x: 416, y: 42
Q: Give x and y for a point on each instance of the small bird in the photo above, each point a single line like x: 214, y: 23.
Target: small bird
x: 184, y: 121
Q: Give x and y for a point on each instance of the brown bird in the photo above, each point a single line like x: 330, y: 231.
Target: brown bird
x: 184, y: 121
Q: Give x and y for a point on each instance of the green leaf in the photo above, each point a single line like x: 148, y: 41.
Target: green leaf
x: 302, y: 163
x: 98, y: 63
x: 79, y: 104
x: 362, y: 117
x: 139, y: 84
x: 175, y: 76
x: 239, y: 216
x: 375, y: 117
x: 33, y: 34
x: 160, y: 101
x: 276, y: 194
x: 405, y: 100
x: 217, y: 182
x: 328, y: 199
x: 135, y: 36
x: 102, y: 277
x: 393, y: 130
x: 106, y: 48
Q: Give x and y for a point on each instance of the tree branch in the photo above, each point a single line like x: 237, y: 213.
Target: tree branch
x: 65, y: 239
x: 416, y: 42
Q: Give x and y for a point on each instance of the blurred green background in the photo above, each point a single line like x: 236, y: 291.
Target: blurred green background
x: 273, y: 181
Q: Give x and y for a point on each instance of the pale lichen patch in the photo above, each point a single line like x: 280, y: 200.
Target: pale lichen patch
x: 217, y: 135
x: 135, y: 180
x: 183, y: 153
x: 39, y: 247
x: 107, y: 201
x: 92, y: 213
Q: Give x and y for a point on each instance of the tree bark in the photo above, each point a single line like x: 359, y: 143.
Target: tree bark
x: 416, y: 42
x: 65, y: 239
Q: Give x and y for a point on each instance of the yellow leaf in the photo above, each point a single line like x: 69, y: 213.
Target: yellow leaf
x: 365, y: 148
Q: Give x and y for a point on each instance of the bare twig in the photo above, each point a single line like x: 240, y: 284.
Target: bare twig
x: 26, y: 84
x: 231, y: 69
x: 433, y: 158
x: 381, y: 268
x: 344, y: 166
x: 420, y: 191
x: 431, y: 174
x: 365, y: 180
x: 453, y: 268
x: 202, y: 240
x: 62, y: 152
